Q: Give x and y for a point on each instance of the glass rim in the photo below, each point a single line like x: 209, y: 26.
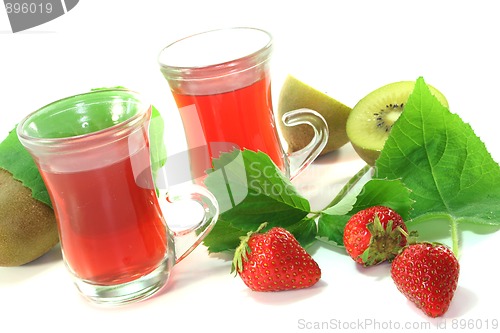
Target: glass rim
x: 235, y: 64
x: 56, y: 142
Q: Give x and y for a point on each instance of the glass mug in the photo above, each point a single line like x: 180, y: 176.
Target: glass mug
x: 221, y: 83
x: 93, y: 153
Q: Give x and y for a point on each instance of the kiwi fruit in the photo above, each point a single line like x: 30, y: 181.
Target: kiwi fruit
x: 294, y: 95
x: 370, y: 121
x: 28, y: 227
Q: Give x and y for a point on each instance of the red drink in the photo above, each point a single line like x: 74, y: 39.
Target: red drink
x: 241, y: 118
x: 92, y: 151
x: 112, y: 234
x: 220, y: 80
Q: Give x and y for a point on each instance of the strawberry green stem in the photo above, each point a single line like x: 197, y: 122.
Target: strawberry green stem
x: 454, y: 237
x: 344, y: 191
x: 241, y: 251
x: 454, y: 230
x: 348, y: 186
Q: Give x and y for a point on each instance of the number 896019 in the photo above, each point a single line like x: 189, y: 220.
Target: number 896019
x: 28, y: 8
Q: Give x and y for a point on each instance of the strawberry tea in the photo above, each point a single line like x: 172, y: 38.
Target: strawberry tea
x: 93, y: 153
x: 220, y: 81
x: 241, y: 118
x: 109, y: 235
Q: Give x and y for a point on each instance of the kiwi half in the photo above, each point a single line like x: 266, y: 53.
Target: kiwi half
x: 28, y: 227
x: 370, y: 121
x: 296, y: 94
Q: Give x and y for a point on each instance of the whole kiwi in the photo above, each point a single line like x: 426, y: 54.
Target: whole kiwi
x: 28, y: 227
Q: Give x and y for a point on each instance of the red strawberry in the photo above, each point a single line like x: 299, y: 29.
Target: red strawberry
x: 427, y: 274
x: 274, y: 261
x: 373, y: 235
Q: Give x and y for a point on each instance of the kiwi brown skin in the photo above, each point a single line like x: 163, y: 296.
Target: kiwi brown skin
x: 28, y: 227
x: 369, y: 156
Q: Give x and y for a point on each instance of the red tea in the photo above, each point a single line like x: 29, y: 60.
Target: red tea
x: 241, y: 118
x: 112, y: 234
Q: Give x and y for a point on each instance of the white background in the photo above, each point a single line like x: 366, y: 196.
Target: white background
x: 344, y: 48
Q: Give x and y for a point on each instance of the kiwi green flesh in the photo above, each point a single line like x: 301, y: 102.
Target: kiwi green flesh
x: 372, y: 118
x: 28, y: 227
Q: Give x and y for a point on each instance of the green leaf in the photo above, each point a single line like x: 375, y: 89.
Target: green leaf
x: 223, y: 237
x: 250, y: 190
x: 331, y: 228
x: 448, y: 168
x: 390, y: 193
x: 344, y: 200
x: 158, y: 151
x: 15, y: 159
x: 304, y: 231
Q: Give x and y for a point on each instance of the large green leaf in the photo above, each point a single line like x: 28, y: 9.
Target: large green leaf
x: 250, y: 190
x: 448, y: 168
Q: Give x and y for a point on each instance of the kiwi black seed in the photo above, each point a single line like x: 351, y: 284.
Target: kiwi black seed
x: 387, y: 116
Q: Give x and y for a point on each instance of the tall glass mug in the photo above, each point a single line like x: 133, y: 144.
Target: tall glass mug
x: 92, y: 151
x: 221, y: 83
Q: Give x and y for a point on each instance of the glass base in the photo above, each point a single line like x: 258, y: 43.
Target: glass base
x: 128, y: 292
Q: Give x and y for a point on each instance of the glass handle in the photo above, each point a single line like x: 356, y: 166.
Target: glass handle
x: 186, y: 239
x: 301, y: 159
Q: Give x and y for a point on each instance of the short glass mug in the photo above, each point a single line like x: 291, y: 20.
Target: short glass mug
x: 221, y: 83
x: 93, y: 153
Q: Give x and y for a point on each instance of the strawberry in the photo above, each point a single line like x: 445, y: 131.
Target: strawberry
x: 373, y: 235
x: 274, y: 261
x: 427, y: 274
